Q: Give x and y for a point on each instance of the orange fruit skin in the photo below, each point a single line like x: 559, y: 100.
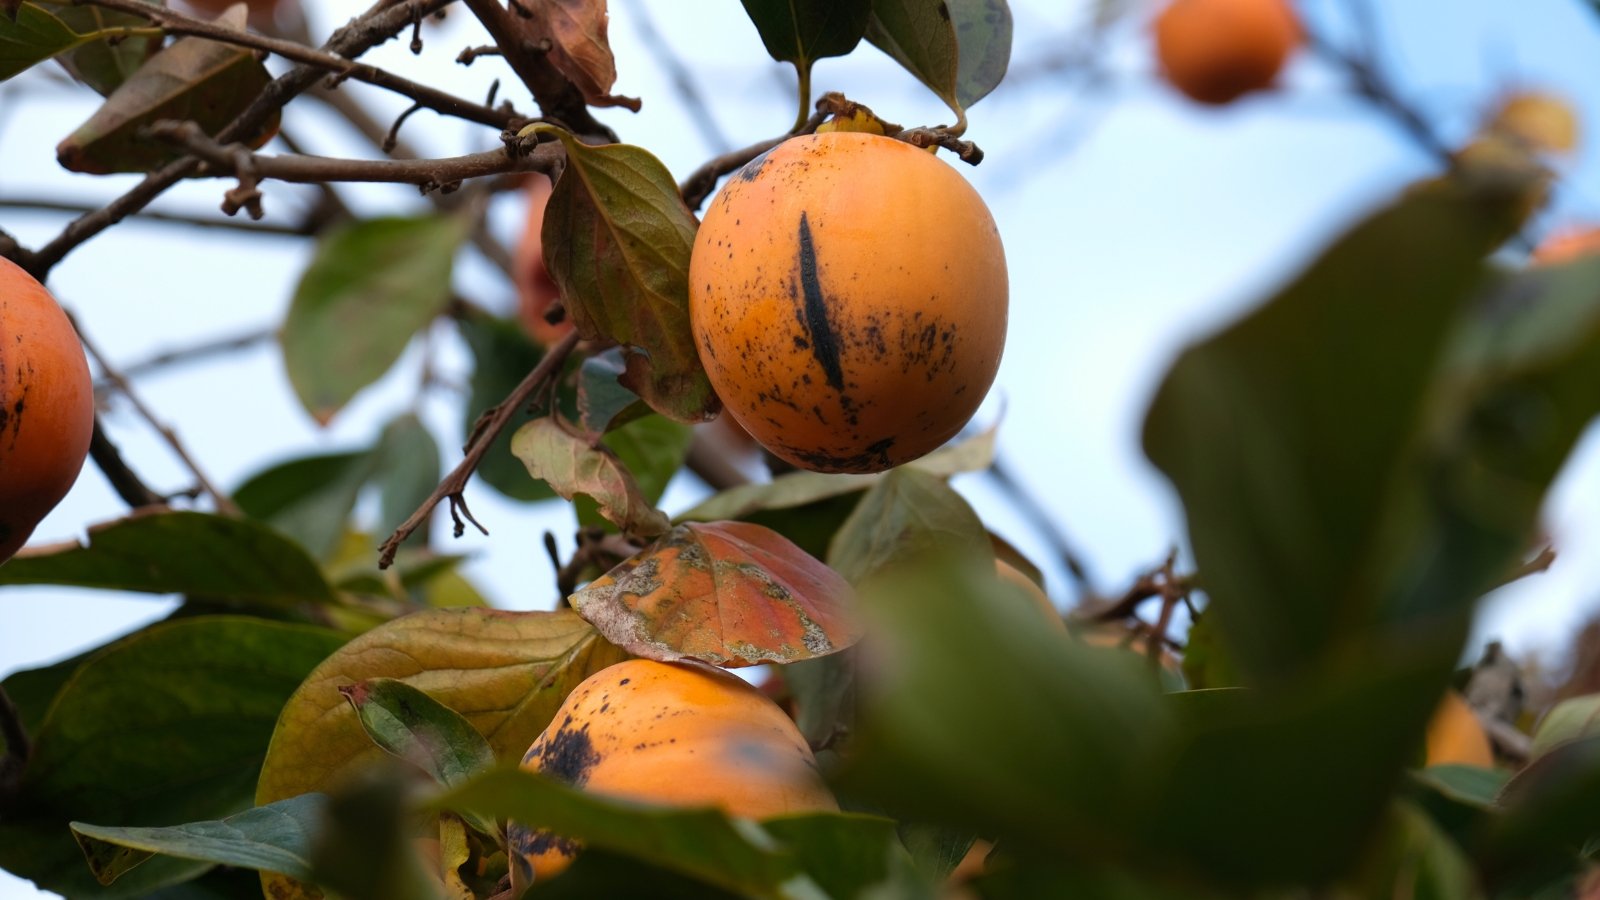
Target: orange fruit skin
x: 1455, y: 736
x: 536, y: 290
x: 1567, y: 246
x: 46, y: 406
x: 848, y: 295
x: 1216, y: 51
x: 675, y: 734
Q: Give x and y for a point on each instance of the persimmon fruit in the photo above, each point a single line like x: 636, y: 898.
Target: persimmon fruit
x: 675, y: 734
x: 536, y: 290
x: 1455, y: 736
x: 1216, y: 51
x: 1568, y: 245
x: 46, y: 406
x: 847, y: 295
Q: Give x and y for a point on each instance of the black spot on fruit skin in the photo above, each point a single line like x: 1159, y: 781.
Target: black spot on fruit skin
x: 824, y: 343
x: 569, y: 756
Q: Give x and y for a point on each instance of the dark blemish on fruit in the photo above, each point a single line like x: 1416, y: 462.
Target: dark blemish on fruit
x: 824, y: 343
x: 753, y: 167
x: 623, y: 682
x: 569, y: 756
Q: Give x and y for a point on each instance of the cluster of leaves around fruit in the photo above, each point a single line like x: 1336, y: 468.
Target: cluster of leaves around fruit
x: 1359, y: 459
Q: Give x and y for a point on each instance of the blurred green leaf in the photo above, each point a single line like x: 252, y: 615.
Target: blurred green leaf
x: 422, y: 731
x: 504, y: 355
x: 936, y: 850
x: 276, y: 838
x: 1205, y: 657
x: 804, y: 31
x: 958, y: 48
x: 407, y: 469
x: 778, y: 859
x: 905, y: 516
x: 603, y: 403
x: 371, y: 286
x: 598, y: 873
x: 850, y: 855
x: 193, y: 80
x: 1548, y: 816
x: 364, y: 851
x: 34, y: 34
x: 168, y: 725
x: 1414, y: 859
x: 105, y: 63
x: 1470, y: 785
x: 617, y: 237
x: 1573, y: 718
x: 173, y: 552
x: 310, y: 497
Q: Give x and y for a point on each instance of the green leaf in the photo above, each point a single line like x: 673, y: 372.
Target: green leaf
x: 804, y: 31
x: 603, y: 403
x: 1470, y: 785
x: 782, y: 858
x: 1415, y: 859
x: 276, y: 838
x: 1291, y: 438
x: 33, y: 690
x: 168, y: 725
x: 796, y: 489
x: 310, y: 497
x: 504, y: 356
x: 193, y: 80
x: 371, y: 286
x: 1548, y: 814
x: 364, y: 850
x: 1569, y: 720
x: 34, y: 35
x: 422, y: 731
x: 617, y: 238
x: 572, y: 467
x: 105, y: 63
x: 906, y: 516
x: 407, y: 469
x: 191, y: 553
x: 958, y: 48
x: 850, y: 855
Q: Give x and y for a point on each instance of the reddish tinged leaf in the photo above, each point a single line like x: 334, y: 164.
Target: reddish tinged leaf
x: 579, y: 48
x: 572, y: 466
x: 206, y: 82
x: 729, y: 593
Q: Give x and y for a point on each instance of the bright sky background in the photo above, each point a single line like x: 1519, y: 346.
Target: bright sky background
x: 1134, y: 222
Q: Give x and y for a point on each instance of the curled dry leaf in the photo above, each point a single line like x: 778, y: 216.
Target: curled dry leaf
x: 579, y: 48
x: 729, y: 593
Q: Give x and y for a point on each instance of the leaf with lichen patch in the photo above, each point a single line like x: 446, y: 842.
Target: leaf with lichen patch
x: 729, y: 593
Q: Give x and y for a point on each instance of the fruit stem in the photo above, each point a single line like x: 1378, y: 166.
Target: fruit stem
x: 805, y: 99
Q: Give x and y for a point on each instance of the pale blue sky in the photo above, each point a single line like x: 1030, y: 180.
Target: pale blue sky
x: 1133, y: 223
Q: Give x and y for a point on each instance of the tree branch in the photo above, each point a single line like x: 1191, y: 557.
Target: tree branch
x: 127, y: 483
x: 195, y: 353
x: 432, y: 98
x: 429, y: 174
x: 44, y: 204
x: 558, y: 99
x: 478, y: 442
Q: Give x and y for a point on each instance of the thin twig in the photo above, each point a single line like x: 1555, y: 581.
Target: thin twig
x: 225, y: 504
x: 483, y: 436
x: 195, y: 353
x: 683, y: 80
x: 126, y: 482
x: 429, y: 174
x: 1541, y: 562
x: 44, y: 204
x: 423, y: 95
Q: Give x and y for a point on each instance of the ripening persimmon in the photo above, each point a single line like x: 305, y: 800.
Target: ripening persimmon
x: 536, y: 290
x: 1567, y: 245
x: 46, y: 406
x: 1456, y: 737
x: 847, y: 294
x: 1216, y: 51
x: 675, y: 734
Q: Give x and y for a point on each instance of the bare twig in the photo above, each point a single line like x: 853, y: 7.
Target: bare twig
x: 483, y: 435
x: 423, y: 95
x: 45, y: 204
x: 428, y: 174
x: 224, y: 503
x: 127, y: 483
x: 595, y: 548
x: 557, y: 97
x: 1541, y: 562
x: 195, y: 353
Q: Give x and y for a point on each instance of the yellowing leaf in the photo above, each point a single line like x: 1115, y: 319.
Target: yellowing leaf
x: 571, y: 466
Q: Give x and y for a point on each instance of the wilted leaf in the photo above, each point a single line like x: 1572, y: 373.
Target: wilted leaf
x: 276, y: 838
x: 196, y: 80
x: 503, y: 356
x: 958, y: 48
x: 371, y: 286
x: 106, y: 62
x: 729, y: 593
x: 617, y: 237
x: 804, y: 31
x: 572, y: 467
x: 169, y: 725
x: 906, y: 516
x: 575, y: 32
x: 172, y: 552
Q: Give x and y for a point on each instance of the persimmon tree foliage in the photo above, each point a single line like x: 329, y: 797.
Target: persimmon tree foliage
x: 333, y: 712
